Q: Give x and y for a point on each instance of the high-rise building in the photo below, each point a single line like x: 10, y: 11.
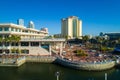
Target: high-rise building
x: 31, y: 25
x: 71, y: 27
x: 20, y: 22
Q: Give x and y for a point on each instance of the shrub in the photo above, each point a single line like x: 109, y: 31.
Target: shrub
x: 80, y: 53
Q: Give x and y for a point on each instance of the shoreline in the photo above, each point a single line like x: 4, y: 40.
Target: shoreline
x: 57, y: 60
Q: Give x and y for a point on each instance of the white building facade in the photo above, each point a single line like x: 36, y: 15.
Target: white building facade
x: 30, y: 40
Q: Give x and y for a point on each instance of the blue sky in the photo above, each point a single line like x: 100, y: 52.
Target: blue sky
x: 97, y: 15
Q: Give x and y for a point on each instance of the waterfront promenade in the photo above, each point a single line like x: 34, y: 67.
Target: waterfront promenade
x: 93, y: 61
x: 18, y: 60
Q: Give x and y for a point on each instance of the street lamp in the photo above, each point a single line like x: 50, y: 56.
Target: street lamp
x: 57, y: 75
x: 105, y: 76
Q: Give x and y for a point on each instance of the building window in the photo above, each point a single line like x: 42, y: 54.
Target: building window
x: 14, y: 44
x: 23, y: 31
x: 34, y: 43
x: 1, y: 29
x: 25, y: 51
x: 12, y: 29
x: 26, y: 31
x: 7, y: 44
x: 1, y: 35
x: 1, y: 43
x: 24, y: 43
x: 16, y: 30
x: 6, y: 36
x: 6, y: 28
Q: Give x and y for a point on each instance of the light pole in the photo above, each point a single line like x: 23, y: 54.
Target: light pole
x: 105, y: 76
x: 57, y: 74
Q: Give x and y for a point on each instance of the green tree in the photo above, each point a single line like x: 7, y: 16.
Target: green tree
x: 13, y: 50
x: 18, y: 51
x: 15, y: 38
x: 100, y: 41
x: 85, y: 38
x: 80, y: 53
x: 66, y: 37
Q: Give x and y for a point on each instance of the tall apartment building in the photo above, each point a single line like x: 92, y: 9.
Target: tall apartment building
x: 31, y: 25
x: 71, y: 27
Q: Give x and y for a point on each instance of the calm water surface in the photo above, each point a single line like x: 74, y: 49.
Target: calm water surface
x: 38, y: 71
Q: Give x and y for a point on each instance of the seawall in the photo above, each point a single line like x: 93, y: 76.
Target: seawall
x: 18, y: 61
x: 86, y: 66
x: 12, y: 62
x: 42, y: 59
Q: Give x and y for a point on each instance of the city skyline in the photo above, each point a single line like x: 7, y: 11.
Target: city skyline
x: 97, y: 16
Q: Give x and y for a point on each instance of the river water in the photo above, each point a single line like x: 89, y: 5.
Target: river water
x: 40, y: 71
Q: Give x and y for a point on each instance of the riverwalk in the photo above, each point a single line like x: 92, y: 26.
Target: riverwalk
x: 18, y: 60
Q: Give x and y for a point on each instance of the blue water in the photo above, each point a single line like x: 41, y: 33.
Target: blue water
x: 38, y: 71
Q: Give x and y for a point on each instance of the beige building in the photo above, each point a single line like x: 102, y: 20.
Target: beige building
x: 32, y: 41
x: 71, y: 27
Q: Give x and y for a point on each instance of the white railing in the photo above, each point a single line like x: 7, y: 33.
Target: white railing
x: 23, y: 33
x: 47, y: 40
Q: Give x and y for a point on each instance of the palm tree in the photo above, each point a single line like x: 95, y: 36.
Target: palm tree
x: 85, y: 39
x: 100, y: 41
x: 15, y: 39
